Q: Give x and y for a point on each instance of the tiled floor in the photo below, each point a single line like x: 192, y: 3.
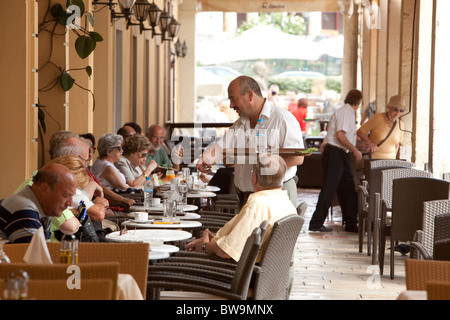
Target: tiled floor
x: 328, y: 266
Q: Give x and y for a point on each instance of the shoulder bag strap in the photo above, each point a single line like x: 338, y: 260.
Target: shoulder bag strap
x: 392, y: 129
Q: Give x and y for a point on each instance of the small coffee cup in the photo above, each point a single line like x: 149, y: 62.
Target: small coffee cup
x: 141, y: 216
x: 156, y: 202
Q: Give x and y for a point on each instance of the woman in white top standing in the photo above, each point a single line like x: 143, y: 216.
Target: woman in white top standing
x: 109, y: 148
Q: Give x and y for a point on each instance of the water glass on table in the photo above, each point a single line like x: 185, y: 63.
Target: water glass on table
x: 182, y: 190
x: 170, y: 207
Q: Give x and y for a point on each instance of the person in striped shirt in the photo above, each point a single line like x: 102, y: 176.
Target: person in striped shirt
x: 22, y: 214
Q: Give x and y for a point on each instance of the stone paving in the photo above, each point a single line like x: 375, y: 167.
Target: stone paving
x: 328, y: 266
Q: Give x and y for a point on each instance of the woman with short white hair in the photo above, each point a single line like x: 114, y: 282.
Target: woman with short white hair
x: 109, y: 148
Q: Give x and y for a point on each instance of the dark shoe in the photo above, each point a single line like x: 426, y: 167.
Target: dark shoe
x: 320, y: 229
x: 351, y: 228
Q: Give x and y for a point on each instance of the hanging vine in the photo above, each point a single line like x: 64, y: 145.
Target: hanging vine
x: 67, y: 19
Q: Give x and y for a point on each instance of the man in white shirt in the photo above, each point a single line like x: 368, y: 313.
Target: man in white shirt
x: 282, y: 128
x: 338, y: 171
x: 268, y: 203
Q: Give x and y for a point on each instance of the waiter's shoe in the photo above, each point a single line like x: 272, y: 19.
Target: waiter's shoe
x: 320, y: 229
x: 351, y: 228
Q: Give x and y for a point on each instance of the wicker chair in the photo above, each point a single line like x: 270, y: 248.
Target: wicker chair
x: 446, y: 176
x: 301, y: 209
x: 363, y: 215
x: 133, y: 257
x: 436, y: 225
x: 107, y: 270
x: 205, y: 280
x: 194, y: 259
x: 408, y: 196
x: 437, y: 290
x: 382, y: 223
x: 91, y: 289
x: 419, y: 272
x: 373, y: 170
x: 271, y: 280
x: 271, y: 277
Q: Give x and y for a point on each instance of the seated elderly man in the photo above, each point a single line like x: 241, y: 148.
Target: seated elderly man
x: 269, y: 202
x: 126, y: 132
x: 156, y: 134
x: 22, y: 214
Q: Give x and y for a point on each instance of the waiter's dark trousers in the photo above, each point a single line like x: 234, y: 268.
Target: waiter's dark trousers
x: 338, y: 178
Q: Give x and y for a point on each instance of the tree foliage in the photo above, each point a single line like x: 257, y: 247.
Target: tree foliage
x: 291, y: 23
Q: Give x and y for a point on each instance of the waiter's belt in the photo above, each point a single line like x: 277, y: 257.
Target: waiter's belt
x: 333, y: 146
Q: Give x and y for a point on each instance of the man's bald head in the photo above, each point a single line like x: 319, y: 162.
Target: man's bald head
x: 54, y: 185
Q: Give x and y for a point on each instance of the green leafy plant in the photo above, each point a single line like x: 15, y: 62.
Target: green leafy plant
x: 55, y: 18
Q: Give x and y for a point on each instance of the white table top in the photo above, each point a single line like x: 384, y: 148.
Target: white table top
x: 200, y: 194
x: 148, y: 235
x: 207, y: 189
x: 154, y: 255
x: 165, y: 248
x: 187, y: 216
x: 188, y: 207
x: 184, y: 224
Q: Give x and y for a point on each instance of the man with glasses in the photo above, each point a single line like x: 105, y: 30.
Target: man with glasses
x: 156, y: 134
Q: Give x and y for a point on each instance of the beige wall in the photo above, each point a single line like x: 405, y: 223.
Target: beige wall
x: 72, y: 110
x: 18, y: 86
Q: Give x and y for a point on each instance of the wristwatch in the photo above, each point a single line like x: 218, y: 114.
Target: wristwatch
x: 204, y: 248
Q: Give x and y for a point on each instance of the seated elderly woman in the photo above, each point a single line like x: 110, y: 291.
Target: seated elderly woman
x: 109, y: 148
x: 86, y: 188
x: 132, y: 163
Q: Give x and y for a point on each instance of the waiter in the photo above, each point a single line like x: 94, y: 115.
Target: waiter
x: 337, y: 167
x: 282, y: 129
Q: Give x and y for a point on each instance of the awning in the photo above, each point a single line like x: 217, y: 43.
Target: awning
x: 209, y: 84
x: 252, y: 45
x: 269, y: 6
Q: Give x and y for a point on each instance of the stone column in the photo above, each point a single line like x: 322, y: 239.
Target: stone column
x: 350, y: 60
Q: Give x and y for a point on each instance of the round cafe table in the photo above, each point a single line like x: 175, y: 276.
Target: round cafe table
x: 183, y: 224
x: 187, y: 216
x: 159, y: 209
x: 152, y: 255
x: 149, y: 235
